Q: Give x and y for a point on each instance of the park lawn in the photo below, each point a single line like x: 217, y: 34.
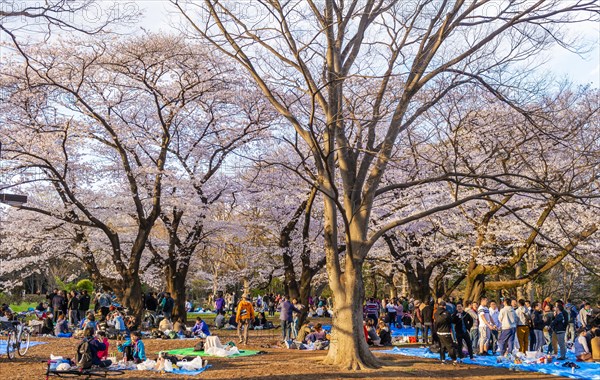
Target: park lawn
x: 23, y: 306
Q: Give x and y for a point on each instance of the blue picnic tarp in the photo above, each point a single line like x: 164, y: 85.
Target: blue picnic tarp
x: 3, y: 346
x: 586, y: 371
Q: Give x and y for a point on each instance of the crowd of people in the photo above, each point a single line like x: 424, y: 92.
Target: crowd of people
x: 485, y: 327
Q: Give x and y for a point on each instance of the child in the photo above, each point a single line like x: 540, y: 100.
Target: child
x: 101, y: 336
x: 133, y: 350
x: 200, y: 329
x: 62, y: 326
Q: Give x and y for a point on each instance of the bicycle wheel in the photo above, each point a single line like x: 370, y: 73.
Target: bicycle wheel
x: 23, y: 342
x: 11, y: 344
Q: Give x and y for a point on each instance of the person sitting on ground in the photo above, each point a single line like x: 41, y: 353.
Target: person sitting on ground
x: 200, y: 329
x: 62, y: 325
x: 133, y: 350
x: 95, y: 346
x: 261, y: 320
x: 582, y: 350
x: 89, y: 321
x: 319, y: 335
x: 595, y: 345
x: 165, y: 325
x: 48, y: 325
x: 232, y: 322
x: 303, y: 332
x: 179, y: 327
x: 384, y: 334
x: 220, y: 319
x: 372, y: 337
x: 101, y: 336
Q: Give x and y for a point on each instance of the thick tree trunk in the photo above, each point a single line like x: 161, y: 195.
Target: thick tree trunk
x: 131, y: 297
x: 349, y: 348
x: 418, y: 283
x: 475, y: 287
x: 175, y: 281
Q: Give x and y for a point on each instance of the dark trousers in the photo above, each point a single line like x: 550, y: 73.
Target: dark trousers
x: 426, y: 329
x: 493, y: 344
x: 392, y: 318
x: 446, y: 345
x: 464, y: 339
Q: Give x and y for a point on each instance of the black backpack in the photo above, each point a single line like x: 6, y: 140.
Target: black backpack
x: 84, y: 354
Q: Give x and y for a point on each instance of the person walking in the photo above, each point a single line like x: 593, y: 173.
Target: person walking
x: 244, y: 317
x: 286, y: 317
x: 508, y: 322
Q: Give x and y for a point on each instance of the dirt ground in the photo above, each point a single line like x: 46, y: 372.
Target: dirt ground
x: 276, y: 363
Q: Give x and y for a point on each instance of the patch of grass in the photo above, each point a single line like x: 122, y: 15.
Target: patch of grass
x: 23, y: 306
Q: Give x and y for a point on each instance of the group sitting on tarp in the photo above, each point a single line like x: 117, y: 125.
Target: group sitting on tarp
x: 310, y: 337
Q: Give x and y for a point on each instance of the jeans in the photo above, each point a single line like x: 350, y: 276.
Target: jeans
x: 539, y: 340
x: 475, y: 338
x: 570, y: 333
x: 426, y: 329
x: 562, y: 344
x: 286, y: 330
x: 549, y: 341
x: 506, y: 341
x: 523, y: 337
x: 493, y: 345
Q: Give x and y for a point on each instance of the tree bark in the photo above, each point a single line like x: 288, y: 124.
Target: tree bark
x: 175, y: 281
x: 130, y: 293
x: 348, y: 347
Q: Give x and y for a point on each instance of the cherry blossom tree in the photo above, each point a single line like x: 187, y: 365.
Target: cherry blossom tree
x: 326, y: 54
x: 97, y: 129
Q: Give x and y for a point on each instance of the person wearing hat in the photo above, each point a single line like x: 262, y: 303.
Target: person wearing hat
x: 244, y: 317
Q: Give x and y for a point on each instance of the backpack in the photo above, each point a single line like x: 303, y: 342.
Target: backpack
x: 199, y: 346
x: 84, y: 354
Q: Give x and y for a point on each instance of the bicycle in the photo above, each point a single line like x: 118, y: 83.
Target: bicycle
x: 18, y: 336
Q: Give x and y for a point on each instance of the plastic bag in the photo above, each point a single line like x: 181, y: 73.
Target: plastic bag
x: 168, y: 366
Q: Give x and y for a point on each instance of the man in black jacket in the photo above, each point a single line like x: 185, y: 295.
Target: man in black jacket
x: 84, y: 304
x: 537, y: 320
x: 462, y: 325
x: 443, y: 326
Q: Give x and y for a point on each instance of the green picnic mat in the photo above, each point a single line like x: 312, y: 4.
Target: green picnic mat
x: 191, y: 352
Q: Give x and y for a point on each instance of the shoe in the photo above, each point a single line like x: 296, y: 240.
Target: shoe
x: 442, y: 362
x: 561, y: 358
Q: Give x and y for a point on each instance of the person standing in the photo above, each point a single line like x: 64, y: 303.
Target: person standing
x: 219, y: 303
x: 73, y: 308
x: 572, y: 314
x: 485, y: 326
x: 508, y: 322
x: 418, y: 321
x: 286, y: 317
x: 548, y: 317
x: 391, y: 312
x: 244, y: 317
x: 494, y: 313
x: 84, y: 304
x: 167, y: 305
x: 427, y: 322
x: 583, y: 315
x: 104, y: 303
x: 443, y: 326
x: 537, y: 323
x: 559, y: 327
x: 58, y: 302
x: 472, y: 310
x: 523, y: 322
x: 462, y: 325
x: 372, y: 309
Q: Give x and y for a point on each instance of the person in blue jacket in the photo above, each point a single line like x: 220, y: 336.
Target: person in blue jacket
x: 200, y: 329
x: 133, y: 349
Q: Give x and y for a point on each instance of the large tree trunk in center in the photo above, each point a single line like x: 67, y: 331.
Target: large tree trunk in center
x: 175, y: 281
x: 131, y: 297
x: 349, y: 348
x: 475, y: 287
